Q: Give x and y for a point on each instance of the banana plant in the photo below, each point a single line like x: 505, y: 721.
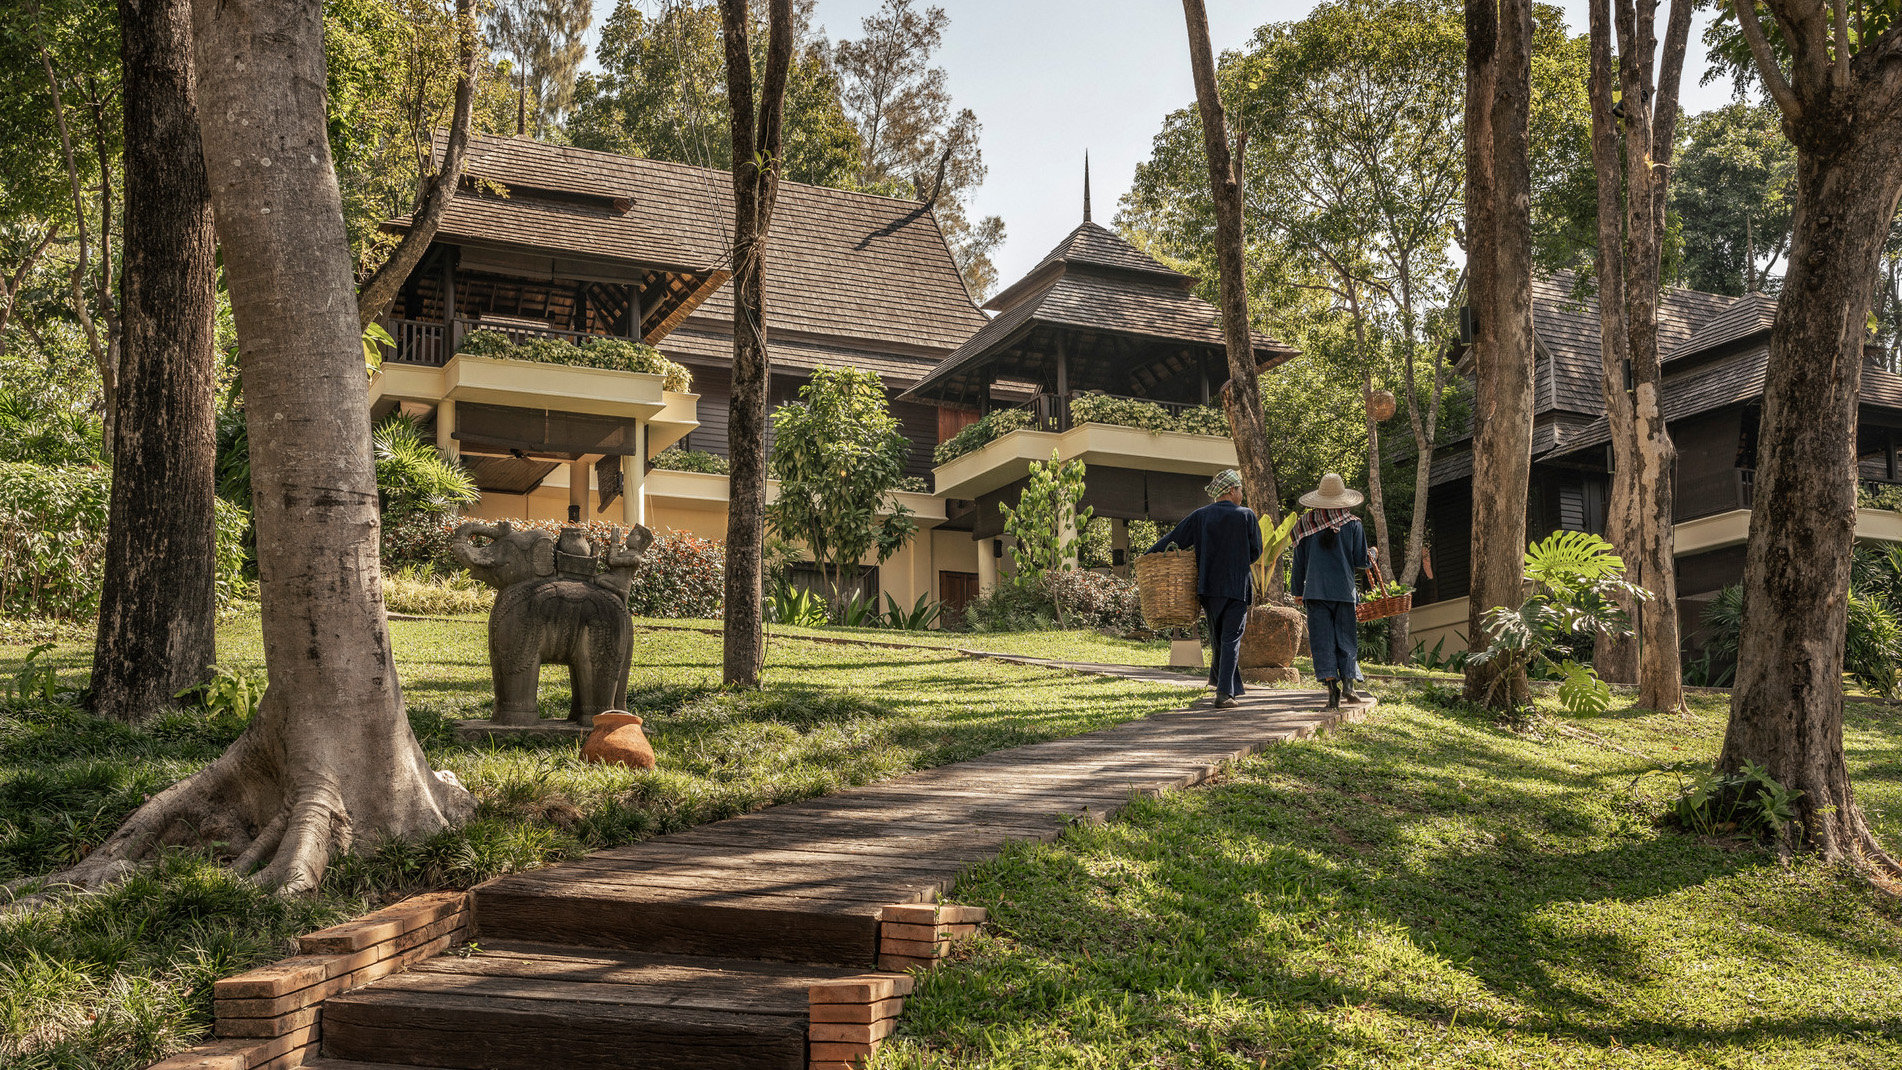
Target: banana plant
x: 1275, y: 539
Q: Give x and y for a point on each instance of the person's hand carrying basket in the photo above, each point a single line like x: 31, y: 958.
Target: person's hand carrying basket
x: 1383, y: 607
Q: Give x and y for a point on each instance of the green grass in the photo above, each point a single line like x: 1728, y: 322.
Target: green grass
x: 1427, y: 890
x: 119, y: 979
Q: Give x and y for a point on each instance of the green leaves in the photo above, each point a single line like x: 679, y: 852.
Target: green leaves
x: 1046, y: 522
x: 1581, y: 691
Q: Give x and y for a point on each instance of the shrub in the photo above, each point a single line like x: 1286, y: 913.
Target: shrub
x: 35, y: 430
x: 614, y: 354
x: 914, y: 484
x: 1872, y: 640
x: 425, y: 593
x: 685, y: 576
x: 1008, y: 607
x: 1096, y: 600
x: 675, y: 459
x: 412, y: 475
x: 1879, y: 496
x: 52, y: 538
x: 1147, y: 415
x: 419, y: 541
x: 992, y: 425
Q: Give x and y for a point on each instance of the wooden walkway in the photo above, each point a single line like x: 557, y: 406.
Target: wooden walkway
x: 759, y: 941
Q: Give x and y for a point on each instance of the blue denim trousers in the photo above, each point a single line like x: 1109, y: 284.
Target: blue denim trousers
x: 1332, y: 640
x: 1227, y: 619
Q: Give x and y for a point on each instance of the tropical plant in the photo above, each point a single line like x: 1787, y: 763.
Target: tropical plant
x: 231, y: 692
x: 988, y: 427
x: 1275, y: 540
x: 412, y: 476
x: 1575, y: 581
x: 675, y: 459
x: 37, y: 681
x: 1436, y: 660
x: 1710, y: 802
x: 795, y: 606
x: 613, y: 354
x: 1147, y: 415
x: 838, y: 453
x: 922, y: 615
x: 1872, y: 636
x: 1046, y: 522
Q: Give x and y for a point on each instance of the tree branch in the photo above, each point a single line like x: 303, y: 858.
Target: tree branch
x: 376, y: 296
x: 1773, y: 80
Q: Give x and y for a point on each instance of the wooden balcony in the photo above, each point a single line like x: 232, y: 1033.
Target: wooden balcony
x: 432, y: 344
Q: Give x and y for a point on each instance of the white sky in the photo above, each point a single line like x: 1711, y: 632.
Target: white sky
x: 1051, y: 78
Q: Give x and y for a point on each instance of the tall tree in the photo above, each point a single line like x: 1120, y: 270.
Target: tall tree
x: 547, y: 41
x: 158, y: 605
x: 1499, y: 289
x: 756, y: 128
x: 1241, y: 397
x: 438, y: 189
x: 329, y: 758
x: 911, y: 138
x: 660, y: 93
x: 1837, y: 81
x: 1632, y: 192
x: 1730, y: 192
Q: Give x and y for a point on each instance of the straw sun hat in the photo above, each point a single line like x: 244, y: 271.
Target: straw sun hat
x: 1333, y: 493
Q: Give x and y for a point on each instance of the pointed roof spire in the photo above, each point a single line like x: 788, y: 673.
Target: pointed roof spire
x: 1086, y: 185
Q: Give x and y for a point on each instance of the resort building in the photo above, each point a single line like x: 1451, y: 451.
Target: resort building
x: 550, y: 243
x: 1714, y: 350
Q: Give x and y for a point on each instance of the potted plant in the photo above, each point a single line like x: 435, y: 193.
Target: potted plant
x: 1274, y: 632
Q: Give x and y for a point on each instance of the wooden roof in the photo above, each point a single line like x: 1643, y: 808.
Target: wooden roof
x: 839, y: 264
x: 1129, y: 323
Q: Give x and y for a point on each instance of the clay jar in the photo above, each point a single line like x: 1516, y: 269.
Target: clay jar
x: 617, y: 739
x: 1270, y: 643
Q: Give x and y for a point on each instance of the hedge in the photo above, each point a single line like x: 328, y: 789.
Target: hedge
x: 614, y: 354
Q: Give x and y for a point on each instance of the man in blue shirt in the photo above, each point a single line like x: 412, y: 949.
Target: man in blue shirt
x: 1226, y: 538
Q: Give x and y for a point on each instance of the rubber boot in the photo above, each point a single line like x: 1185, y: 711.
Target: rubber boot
x: 1333, y: 695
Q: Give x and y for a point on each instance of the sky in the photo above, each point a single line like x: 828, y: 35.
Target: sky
x: 1049, y: 79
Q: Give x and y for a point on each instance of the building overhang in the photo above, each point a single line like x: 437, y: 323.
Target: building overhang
x: 1007, y: 459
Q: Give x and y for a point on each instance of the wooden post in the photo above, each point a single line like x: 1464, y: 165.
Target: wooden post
x: 451, y: 333
x: 986, y: 565
x: 1063, y: 385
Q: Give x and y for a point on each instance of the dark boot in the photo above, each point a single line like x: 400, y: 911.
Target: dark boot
x: 1349, y: 695
x: 1333, y: 695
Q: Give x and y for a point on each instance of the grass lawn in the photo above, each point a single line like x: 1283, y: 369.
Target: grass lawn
x: 1427, y: 890
x: 118, y: 979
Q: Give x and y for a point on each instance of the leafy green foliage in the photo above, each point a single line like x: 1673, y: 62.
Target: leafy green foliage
x: 232, y: 693
x: 1733, y: 190
x: 36, y: 429
x: 1046, y: 521
x: 992, y: 425
x: 1576, y: 580
x: 1275, y: 541
x: 412, y: 476
x: 922, y: 615
x: 796, y: 606
x: 426, y: 593
x: 1714, y: 802
x: 52, y: 539
x: 838, y: 453
x: 675, y: 459
x: 1872, y: 641
x: 613, y: 354
x: 1147, y: 415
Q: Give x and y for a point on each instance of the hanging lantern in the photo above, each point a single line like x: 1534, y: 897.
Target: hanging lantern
x: 1381, y: 405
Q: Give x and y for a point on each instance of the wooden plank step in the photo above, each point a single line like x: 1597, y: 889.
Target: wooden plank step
x: 493, y: 1025
x: 839, y: 933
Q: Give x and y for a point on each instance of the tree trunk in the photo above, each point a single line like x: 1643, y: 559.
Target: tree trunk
x: 1425, y: 428
x: 1786, y: 710
x: 1499, y: 273
x: 757, y: 137
x: 329, y: 758
x: 158, y: 606
x: 439, y: 189
x: 1242, y: 395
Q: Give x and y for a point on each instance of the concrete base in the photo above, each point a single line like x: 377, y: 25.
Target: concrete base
x: 1272, y: 674
x: 1186, y: 654
x: 473, y: 731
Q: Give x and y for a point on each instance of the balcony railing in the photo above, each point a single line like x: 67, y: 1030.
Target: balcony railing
x: 422, y: 342
x: 1737, y: 489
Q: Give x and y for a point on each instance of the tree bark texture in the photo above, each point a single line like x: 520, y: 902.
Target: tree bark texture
x: 376, y: 296
x: 158, y: 607
x: 1630, y: 243
x: 1845, y: 119
x: 329, y: 759
x: 1499, y: 285
x: 757, y: 136
x: 1242, y: 395
x: 1425, y: 429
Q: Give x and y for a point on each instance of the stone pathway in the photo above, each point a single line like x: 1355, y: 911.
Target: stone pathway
x: 781, y: 938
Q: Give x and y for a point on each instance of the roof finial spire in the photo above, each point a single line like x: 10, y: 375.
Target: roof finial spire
x: 1086, y: 185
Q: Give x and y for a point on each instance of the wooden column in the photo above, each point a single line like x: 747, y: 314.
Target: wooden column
x: 1063, y: 385
x: 449, y: 332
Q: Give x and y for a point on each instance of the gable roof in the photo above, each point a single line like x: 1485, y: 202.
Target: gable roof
x: 1749, y: 315
x: 840, y: 265
x: 1565, y: 324
x: 1094, y: 282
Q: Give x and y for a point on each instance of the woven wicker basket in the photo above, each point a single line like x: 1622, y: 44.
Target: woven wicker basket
x: 1382, y: 608
x: 1167, y: 585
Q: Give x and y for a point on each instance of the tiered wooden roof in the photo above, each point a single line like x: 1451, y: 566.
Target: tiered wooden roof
x: 851, y: 272
x: 1129, y: 325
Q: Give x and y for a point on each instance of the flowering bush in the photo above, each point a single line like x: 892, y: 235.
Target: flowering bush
x: 685, y: 576
x: 614, y: 354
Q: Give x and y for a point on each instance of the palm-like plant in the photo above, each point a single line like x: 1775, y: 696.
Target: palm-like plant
x: 1274, y: 542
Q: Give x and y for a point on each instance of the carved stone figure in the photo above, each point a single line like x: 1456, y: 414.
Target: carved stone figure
x: 561, y: 600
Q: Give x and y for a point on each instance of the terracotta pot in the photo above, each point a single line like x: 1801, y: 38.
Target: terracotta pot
x: 1273, y: 635
x: 617, y: 739
x: 1381, y: 405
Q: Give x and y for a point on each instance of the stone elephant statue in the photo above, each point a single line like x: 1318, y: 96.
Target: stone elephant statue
x: 558, y: 599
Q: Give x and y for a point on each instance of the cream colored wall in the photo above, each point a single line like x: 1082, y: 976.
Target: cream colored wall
x: 1430, y: 624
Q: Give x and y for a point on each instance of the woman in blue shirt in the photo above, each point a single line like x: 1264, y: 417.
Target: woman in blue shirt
x: 1329, y: 545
